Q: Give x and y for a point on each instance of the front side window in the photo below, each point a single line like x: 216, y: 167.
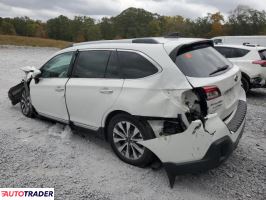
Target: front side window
x: 58, y: 66
x: 91, y: 64
x: 134, y: 65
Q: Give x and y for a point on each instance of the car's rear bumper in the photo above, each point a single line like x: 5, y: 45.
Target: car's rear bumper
x: 217, y: 153
x: 201, y: 146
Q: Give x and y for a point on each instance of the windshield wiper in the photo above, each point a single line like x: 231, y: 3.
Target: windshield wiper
x: 219, y: 70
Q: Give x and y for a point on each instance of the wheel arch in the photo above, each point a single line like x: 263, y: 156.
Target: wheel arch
x: 245, y: 76
x: 108, y: 118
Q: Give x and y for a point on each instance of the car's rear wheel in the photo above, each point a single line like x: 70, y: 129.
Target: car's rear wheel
x: 245, y: 84
x: 124, y: 133
x: 26, y: 106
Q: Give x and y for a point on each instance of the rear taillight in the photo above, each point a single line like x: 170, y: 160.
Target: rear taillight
x: 212, y: 92
x: 260, y: 62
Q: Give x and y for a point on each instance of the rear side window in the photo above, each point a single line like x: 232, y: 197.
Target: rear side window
x: 91, y: 64
x: 201, y: 61
x: 134, y: 65
x: 263, y: 54
x: 229, y: 52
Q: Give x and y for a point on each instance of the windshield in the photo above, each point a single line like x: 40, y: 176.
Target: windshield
x: 201, y: 61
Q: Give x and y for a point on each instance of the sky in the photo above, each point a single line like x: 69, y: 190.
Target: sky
x: 46, y: 9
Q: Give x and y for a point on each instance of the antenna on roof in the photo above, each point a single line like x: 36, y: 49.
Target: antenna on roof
x: 172, y: 35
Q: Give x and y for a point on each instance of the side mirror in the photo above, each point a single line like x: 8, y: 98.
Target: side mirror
x: 36, y: 73
x: 36, y: 76
x: 31, y: 72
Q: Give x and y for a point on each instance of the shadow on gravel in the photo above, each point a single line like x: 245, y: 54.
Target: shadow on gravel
x: 257, y: 97
x: 93, y: 137
x: 259, y: 93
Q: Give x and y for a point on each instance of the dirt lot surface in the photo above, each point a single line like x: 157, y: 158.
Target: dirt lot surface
x: 38, y: 153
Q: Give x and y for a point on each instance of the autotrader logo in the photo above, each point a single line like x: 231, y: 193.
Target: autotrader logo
x: 27, y: 193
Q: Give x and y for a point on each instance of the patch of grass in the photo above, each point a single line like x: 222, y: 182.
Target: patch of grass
x: 32, y: 41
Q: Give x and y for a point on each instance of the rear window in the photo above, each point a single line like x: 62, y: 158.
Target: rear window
x: 263, y: 54
x: 201, y: 61
x: 230, y: 52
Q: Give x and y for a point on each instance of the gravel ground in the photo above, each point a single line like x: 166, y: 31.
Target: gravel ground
x: 38, y: 153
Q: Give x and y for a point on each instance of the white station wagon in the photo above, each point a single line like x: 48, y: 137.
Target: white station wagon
x: 252, y: 62
x: 174, y: 99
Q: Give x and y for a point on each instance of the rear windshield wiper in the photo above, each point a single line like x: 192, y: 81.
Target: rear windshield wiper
x: 219, y: 70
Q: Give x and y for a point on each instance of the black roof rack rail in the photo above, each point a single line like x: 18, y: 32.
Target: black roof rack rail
x: 145, y: 41
x: 250, y: 45
x: 172, y: 35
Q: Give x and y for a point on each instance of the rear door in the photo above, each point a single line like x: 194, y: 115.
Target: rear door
x: 206, y: 68
x: 93, y: 87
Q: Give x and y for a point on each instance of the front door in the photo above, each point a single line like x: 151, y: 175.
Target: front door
x: 48, y: 95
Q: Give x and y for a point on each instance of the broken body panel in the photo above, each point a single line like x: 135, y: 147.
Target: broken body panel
x: 15, y: 92
x: 191, y: 146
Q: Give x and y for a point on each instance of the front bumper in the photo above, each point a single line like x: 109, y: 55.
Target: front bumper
x: 200, y: 147
x: 15, y: 92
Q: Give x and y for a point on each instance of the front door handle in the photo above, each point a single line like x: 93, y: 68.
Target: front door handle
x: 106, y: 91
x: 59, y: 89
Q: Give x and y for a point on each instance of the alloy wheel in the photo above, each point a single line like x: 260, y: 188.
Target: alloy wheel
x: 25, y: 103
x: 125, y: 137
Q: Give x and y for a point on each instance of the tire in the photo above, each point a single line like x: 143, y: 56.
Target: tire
x: 245, y: 84
x: 124, y: 143
x: 26, y: 106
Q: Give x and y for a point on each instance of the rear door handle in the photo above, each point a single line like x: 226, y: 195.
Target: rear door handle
x: 106, y: 91
x: 59, y: 89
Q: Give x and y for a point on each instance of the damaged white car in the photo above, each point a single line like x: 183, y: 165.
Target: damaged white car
x: 174, y: 99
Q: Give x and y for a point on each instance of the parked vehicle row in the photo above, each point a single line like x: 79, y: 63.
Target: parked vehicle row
x: 173, y: 99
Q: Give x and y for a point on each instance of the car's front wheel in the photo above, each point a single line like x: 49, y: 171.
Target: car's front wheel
x: 124, y: 133
x: 26, y: 106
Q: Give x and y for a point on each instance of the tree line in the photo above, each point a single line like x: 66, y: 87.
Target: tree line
x: 135, y: 22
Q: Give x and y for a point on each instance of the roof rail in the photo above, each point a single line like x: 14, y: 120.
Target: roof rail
x: 173, y: 35
x: 104, y: 41
x: 145, y: 41
x: 250, y: 45
x: 135, y: 40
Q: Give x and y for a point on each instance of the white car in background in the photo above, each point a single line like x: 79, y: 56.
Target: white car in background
x: 176, y: 99
x: 252, y: 62
x: 239, y: 40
